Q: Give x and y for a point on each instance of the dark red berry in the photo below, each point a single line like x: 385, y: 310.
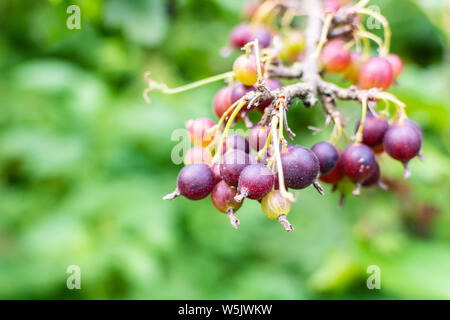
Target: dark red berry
x: 233, y: 162
x: 375, y: 179
x: 374, y: 130
x: 327, y: 155
x: 334, y: 56
x: 402, y: 142
x: 222, y: 197
x: 222, y: 101
x: 216, y: 172
x: 236, y: 142
x: 358, y: 162
x: 257, y: 136
x: 301, y: 167
x: 195, y: 182
x: 376, y: 73
x: 241, y: 35
x: 255, y: 181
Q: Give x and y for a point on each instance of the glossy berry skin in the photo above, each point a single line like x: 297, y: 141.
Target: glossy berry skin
x: 255, y: 181
x: 358, y: 162
x: 402, y: 142
x: 374, y: 178
x: 327, y: 155
x: 374, y: 130
x: 222, y: 197
x: 413, y: 125
x: 301, y: 167
x: 246, y: 70
x: 336, y: 175
x: 272, y: 84
x: 396, y: 64
x: 236, y: 142
x: 216, y: 173
x: 195, y: 181
x: 376, y: 73
x: 240, y: 90
x: 274, y: 204
x: 241, y: 35
x: 232, y: 164
x: 197, y: 155
x: 334, y: 56
x: 198, y: 129
x: 222, y: 101
x: 257, y: 136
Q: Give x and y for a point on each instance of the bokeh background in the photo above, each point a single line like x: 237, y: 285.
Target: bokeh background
x: 84, y: 162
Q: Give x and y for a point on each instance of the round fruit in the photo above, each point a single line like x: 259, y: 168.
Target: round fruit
x: 334, y: 56
x: 257, y: 136
x: 233, y: 162
x: 374, y: 130
x: 263, y: 35
x: 301, y: 167
x: 195, y: 182
x: 255, y: 181
x: 198, y: 131
x: 222, y: 101
x: 241, y: 35
x: 358, y: 162
x: 246, y: 70
x: 216, y: 173
x: 396, y: 63
x: 327, y: 155
x: 376, y: 73
x: 375, y: 179
x: 402, y: 142
x: 276, y: 207
x: 222, y: 197
x: 351, y: 73
x: 336, y: 175
x: 240, y: 90
x: 197, y: 155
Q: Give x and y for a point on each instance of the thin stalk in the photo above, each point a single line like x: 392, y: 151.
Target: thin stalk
x: 324, y: 34
x: 359, y: 133
x: 386, y: 27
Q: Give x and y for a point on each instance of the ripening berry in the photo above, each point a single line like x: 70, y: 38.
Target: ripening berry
x: 236, y: 142
x: 216, y: 173
x: 351, y: 73
x: 197, y: 155
x: 374, y: 130
x: 358, y: 163
x: 257, y: 136
x: 276, y: 207
x: 375, y: 179
x: 402, y: 142
x: 293, y: 44
x: 241, y: 35
x: 255, y: 181
x: 272, y: 84
x: 334, y: 56
x: 331, y: 6
x: 222, y: 197
x: 246, y: 70
x: 222, y: 101
x: 232, y: 164
x: 376, y: 73
x: 327, y: 155
x: 301, y: 167
x: 195, y: 182
x: 198, y: 131
x: 336, y: 175
x: 396, y: 64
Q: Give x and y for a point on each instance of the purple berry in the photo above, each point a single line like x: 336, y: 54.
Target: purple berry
x: 241, y: 35
x: 222, y: 197
x: 255, y: 181
x: 236, y: 142
x: 327, y: 155
x: 374, y: 130
x: 257, y: 136
x: 233, y: 162
x: 301, y: 167
x: 358, y: 162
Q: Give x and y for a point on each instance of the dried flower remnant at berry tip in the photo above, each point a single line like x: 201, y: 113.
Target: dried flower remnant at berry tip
x: 282, y: 64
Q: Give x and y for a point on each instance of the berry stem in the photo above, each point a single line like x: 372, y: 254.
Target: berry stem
x: 367, y: 35
x: 357, y: 190
x: 284, y: 193
x: 285, y: 223
x: 318, y: 187
x: 407, y: 172
x: 153, y: 85
x: 387, y: 30
x: 233, y: 220
x: 172, y: 195
x: 324, y: 34
x: 359, y: 133
x: 243, y: 194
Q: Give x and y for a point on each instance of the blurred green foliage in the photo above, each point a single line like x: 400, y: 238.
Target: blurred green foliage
x: 84, y: 162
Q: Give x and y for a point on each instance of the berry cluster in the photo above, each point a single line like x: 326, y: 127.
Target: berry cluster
x: 261, y: 165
